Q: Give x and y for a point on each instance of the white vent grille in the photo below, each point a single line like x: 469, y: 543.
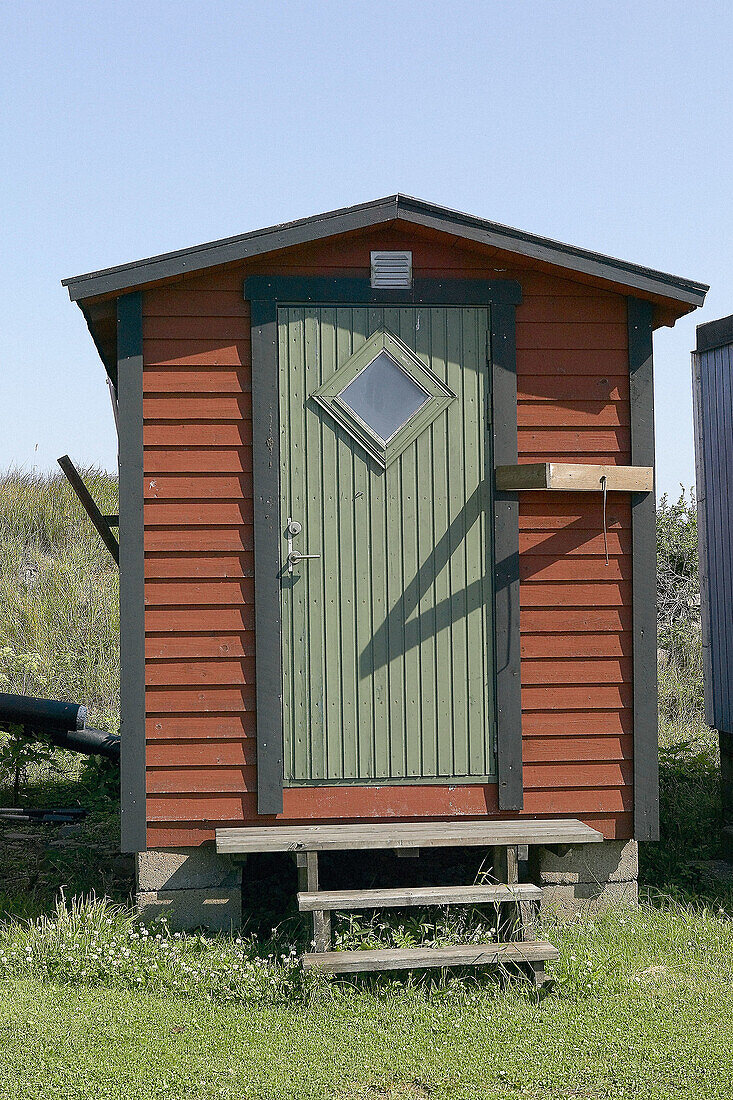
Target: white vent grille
x: 392, y: 270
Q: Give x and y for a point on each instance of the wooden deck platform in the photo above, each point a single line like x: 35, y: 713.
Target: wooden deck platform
x: 431, y: 834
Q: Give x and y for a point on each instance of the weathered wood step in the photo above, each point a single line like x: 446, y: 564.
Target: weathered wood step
x: 319, y: 900
x: 409, y: 958
x: 432, y: 834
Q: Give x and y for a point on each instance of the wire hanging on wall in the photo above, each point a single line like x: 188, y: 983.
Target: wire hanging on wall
x: 604, y: 486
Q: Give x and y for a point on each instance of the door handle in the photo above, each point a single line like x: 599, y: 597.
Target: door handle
x: 294, y: 556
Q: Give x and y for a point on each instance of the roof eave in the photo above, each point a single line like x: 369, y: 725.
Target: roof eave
x: 394, y: 207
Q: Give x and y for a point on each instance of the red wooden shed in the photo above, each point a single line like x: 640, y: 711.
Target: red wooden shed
x: 457, y: 418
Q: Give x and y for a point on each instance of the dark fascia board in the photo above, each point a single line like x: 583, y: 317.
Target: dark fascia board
x: 393, y: 208
x: 715, y: 334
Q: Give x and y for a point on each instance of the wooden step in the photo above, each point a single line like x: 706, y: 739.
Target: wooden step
x: 409, y: 958
x: 320, y: 900
x: 410, y: 834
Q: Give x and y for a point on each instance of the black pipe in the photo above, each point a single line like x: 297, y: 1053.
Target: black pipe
x: 90, y: 741
x: 63, y: 723
x: 41, y: 715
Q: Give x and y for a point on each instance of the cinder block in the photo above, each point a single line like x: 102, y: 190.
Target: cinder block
x: 585, y: 898
x: 611, y: 861
x: 216, y: 910
x: 185, y: 869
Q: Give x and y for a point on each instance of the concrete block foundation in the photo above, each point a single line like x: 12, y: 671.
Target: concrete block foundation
x: 588, y: 878
x: 191, y: 887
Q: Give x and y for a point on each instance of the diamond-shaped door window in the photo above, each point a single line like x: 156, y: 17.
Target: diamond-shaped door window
x: 384, y: 396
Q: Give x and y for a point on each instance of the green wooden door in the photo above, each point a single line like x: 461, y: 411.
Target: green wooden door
x: 387, y: 635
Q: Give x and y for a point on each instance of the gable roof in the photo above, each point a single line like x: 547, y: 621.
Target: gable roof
x: 403, y: 208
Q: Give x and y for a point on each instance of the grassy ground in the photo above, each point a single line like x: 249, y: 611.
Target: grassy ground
x: 93, y: 1005
x: 642, y: 1008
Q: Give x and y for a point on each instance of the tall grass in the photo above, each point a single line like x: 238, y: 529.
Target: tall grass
x: 59, y: 593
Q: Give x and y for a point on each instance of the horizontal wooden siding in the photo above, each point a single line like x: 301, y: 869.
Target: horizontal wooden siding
x: 572, y: 366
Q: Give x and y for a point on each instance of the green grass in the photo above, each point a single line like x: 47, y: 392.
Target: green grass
x: 59, y: 594
x: 92, y: 1005
x: 642, y: 1008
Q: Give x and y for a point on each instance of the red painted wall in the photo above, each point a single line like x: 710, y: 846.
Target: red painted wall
x: 573, y: 405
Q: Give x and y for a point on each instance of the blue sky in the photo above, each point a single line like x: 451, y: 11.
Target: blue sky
x: 129, y: 129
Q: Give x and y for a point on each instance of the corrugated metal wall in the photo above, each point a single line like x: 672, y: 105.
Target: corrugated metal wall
x: 572, y: 361
x: 713, y: 392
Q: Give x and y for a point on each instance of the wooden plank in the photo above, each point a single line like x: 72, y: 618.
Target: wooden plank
x: 208, y: 406
x: 197, y: 380
x: 556, y: 620
x: 568, y: 723
x: 169, y: 566
x: 216, y: 671
x: 293, y: 838
x: 539, y: 439
x: 193, y: 433
x: 588, y: 309
x: 413, y: 958
x: 188, y: 301
x: 578, y: 511
x: 587, y: 697
x: 577, y: 670
x: 584, y: 774
x: 566, y: 336
x: 197, y: 353
x: 571, y: 645
x: 573, y: 414
x: 418, y: 895
x: 182, y: 327
x: 577, y: 749
x: 89, y: 505
x: 196, y: 700
x: 230, y: 726
x: 545, y: 567
x: 205, y: 593
x: 546, y: 594
x: 578, y: 477
x: 185, y: 778
x: 534, y: 362
x: 573, y: 543
x: 241, y: 644
x: 198, y: 460
x: 203, y: 486
x: 235, y: 537
x: 234, y: 513
x: 230, y: 753
x: 187, y: 620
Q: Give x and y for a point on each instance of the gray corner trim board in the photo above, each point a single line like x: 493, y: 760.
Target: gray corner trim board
x: 506, y: 561
x: 393, y: 208
x: 132, y: 594
x: 264, y: 293
x: 701, y: 479
x: 644, y: 573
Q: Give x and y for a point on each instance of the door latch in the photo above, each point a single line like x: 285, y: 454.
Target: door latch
x: 294, y: 556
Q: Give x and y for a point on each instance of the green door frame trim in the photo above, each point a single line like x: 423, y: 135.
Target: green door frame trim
x: 264, y: 294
